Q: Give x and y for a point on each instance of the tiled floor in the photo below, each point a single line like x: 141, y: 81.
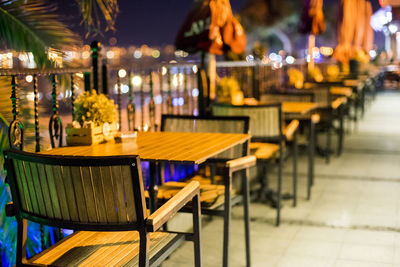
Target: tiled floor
x: 353, y: 218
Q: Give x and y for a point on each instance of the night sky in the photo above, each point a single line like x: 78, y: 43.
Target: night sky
x: 144, y: 21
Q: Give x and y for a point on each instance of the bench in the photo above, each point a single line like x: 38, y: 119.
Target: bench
x: 100, y: 198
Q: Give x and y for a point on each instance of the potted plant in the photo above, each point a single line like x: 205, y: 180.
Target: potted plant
x: 94, y: 120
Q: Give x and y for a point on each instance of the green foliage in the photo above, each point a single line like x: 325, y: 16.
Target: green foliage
x: 91, y: 10
x: 94, y: 107
x: 33, y: 26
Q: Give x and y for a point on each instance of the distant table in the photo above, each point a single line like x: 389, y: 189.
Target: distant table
x: 301, y: 108
x: 174, y: 147
x: 343, y: 91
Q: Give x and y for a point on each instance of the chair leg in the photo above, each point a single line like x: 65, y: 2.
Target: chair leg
x: 311, y: 149
x: 21, y: 241
x: 263, y: 179
x: 341, y: 132
x: 279, y: 193
x: 144, y: 248
x: 295, y: 152
x: 227, y: 216
x: 328, y: 142
x: 246, y: 197
x: 196, y: 230
x: 212, y: 172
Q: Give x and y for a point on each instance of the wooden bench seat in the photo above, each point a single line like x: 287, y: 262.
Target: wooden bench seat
x: 86, y: 248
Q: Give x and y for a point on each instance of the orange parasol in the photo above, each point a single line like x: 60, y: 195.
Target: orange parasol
x: 312, y: 18
x: 354, y: 31
x: 211, y: 27
x: 312, y: 22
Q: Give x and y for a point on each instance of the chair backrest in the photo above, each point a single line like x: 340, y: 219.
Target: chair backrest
x: 92, y: 193
x: 287, y: 97
x: 265, y: 120
x: 210, y: 124
x: 322, y: 96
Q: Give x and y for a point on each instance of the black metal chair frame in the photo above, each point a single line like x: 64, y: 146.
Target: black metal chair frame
x: 280, y: 139
x: 305, y: 122
x: 142, y: 225
x: 225, y: 211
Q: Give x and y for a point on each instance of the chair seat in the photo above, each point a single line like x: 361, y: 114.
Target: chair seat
x: 210, y: 194
x: 86, y: 248
x: 264, y: 150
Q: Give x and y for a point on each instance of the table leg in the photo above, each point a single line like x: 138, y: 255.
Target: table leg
x: 311, y: 149
x: 153, y: 186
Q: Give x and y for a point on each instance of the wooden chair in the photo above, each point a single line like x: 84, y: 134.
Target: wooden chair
x: 303, y: 137
x: 266, y: 127
x: 234, y: 160
x: 331, y: 109
x: 102, y: 199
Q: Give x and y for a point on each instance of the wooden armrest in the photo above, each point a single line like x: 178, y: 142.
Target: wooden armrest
x: 291, y: 129
x: 241, y: 163
x: 172, y: 206
x: 338, y: 102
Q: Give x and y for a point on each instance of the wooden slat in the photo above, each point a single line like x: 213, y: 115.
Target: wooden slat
x: 89, y: 194
x: 62, y: 247
x: 119, y: 193
x: 98, y: 193
x: 45, y: 189
x: 126, y: 177
x: 24, y: 197
x: 62, y: 196
x: 79, y: 193
x: 53, y: 192
x: 27, y: 176
x: 108, y: 189
x: 70, y: 194
x: 38, y: 187
x: 99, y: 249
x: 101, y: 254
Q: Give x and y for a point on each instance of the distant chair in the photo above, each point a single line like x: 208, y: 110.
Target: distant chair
x: 102, y: 199
x: 217, y: 199
x: 266, y: 127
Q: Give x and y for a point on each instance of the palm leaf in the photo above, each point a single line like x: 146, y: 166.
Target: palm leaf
x: 91, y: 10
x: 33, y: 26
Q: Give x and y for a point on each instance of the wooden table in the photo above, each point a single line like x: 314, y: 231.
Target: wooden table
x: 301, y: 108
x: 174, y: 147
x: 343, y: 91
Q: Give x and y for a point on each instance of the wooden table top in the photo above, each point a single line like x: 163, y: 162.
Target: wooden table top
x: 189, y: 148
x: 345, y: 91
x: 298, y: 107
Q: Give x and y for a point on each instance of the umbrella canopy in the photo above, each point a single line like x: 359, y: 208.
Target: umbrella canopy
x: 210, y: 26
x: 354, y: 32
x: 312, y: 17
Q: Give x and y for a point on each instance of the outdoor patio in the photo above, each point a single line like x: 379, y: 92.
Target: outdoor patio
x: 352, y: 219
